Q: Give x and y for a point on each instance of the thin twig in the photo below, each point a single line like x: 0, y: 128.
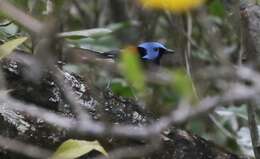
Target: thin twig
x: 187, y: 53
x: 19, y: 16
x: 179, y: 116
x: 23, y: 148
x: 221, y: 127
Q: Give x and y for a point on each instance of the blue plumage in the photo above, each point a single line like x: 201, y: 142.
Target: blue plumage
x: 152, y: 51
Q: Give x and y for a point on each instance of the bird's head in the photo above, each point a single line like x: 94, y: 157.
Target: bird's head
x: 152, y: 51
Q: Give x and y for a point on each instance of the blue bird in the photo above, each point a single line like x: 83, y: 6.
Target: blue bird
x: 150, y: 52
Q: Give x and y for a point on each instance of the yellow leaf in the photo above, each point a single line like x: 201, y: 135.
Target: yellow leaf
x: 8, y: 47
x: 71, y: 149
x: 131, y: 68
x: 172, y: 5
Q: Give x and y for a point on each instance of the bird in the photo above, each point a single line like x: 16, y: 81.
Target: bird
x: 152, y: 51
x: 149, y: 52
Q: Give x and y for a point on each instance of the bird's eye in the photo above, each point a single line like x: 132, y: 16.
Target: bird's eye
x: 156, y: 49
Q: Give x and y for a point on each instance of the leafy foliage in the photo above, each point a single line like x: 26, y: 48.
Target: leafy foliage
x: 120, y: 87
x: 216, y: 8
x: 8, y: 47
x: 131, y: 68
x: 86, y: 33
x: 106, y: 29
x: 182, y: 84
x: 71, y: 149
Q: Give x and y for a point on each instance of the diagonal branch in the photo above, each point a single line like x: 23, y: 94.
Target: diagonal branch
x: 19, y: 16
x: 26, y: 149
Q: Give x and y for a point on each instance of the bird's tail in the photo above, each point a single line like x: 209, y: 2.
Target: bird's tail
x: 75, y: 55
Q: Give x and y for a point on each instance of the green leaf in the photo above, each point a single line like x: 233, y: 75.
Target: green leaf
x: 196, y: 126
x: 10, y: 30
x: 217, y: 8
x: 20, y: 3
x: 131, y: 68
x: 232, y: 111
x: 8, y: 47
x: 37, y: 8
x: 71, y: 149
x: 120, y: 87
x: 58, y: 4
x: 121, y: 25
x: 102, y: 44
x: 182, y: 84
x: 86, y: 33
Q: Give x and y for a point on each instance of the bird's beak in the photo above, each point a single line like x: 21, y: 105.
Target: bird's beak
x: 169, y: 51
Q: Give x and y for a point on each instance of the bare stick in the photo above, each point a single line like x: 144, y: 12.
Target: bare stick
x: 187, y: 53
x: 19, y: 16
x: 25, y: 149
